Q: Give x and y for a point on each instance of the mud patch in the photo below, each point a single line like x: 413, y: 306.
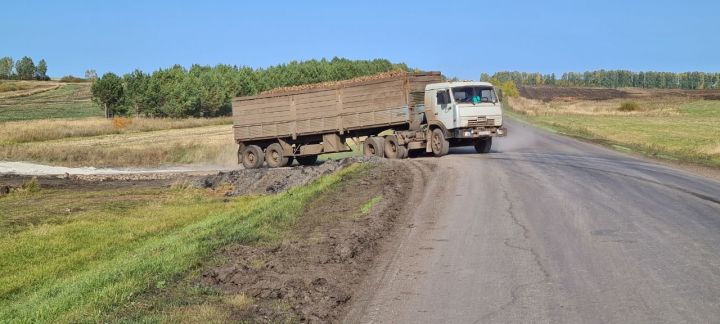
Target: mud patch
x: 275, y: 180
x: 312, y: 274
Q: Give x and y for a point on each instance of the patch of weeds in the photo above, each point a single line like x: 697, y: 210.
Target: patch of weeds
x: 240, y: 301
x: 367, y: 207
x: 629, y: 106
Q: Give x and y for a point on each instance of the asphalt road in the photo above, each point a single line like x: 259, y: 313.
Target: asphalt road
x: 547, y: 229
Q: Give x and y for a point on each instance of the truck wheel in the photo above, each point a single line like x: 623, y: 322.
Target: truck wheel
x: 404, y: 152
x: 374, y: 146
x: 440, y: 146
x: 307, y: 160
x: 275, y: 157
x: 252, y: 157
x: 483, y: 145
x: 392, y: 149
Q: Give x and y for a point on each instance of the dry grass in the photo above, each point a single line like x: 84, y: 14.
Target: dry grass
x: 209, y: 144
x: 656, y: 107
x: 53, y: 129
x: 12, y: 89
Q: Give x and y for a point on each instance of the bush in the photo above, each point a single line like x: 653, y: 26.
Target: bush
x: 121, y: 122
x: 72, y: 79
x: 628, y: 106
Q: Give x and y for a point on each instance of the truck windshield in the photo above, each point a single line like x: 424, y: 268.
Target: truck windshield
x: 474, y: 95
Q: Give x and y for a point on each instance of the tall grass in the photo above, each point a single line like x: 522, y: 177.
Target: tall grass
x: 83, y: 270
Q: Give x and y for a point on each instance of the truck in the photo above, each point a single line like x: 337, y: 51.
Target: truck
x: 404, y: 115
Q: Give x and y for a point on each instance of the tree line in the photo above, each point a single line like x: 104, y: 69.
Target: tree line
x: 23, y: 69
x: 612, y: 79
x: 207, y: 91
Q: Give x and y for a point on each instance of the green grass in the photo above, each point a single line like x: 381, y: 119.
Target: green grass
x: 691, y: 136
x: 69, y: 255
x: 68, y: 101
x: 367, y: 207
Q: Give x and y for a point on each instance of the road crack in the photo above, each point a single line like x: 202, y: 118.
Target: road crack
x: 514, y: 291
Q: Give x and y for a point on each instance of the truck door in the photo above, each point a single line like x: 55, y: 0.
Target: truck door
x: 444, y: 111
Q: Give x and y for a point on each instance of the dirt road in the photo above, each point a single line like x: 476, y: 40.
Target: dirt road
x: 549, y: 229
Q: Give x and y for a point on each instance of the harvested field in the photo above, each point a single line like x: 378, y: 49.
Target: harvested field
x: 546, y: 93
x: 62, y: 100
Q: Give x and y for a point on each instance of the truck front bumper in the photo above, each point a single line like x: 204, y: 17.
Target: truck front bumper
x: 480, y: 132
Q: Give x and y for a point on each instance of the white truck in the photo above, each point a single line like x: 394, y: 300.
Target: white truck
x: 415, y: 113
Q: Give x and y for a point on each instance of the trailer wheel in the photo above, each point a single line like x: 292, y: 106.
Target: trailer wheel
x: 275, y: 157
x: 392, y: 149
x: 252, y: 157
x: 307, y: 160
x: 374, y: 146
x: 440, y: 146
x: 483, y: 145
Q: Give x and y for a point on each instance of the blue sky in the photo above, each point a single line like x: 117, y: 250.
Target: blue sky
x: 459, y: 38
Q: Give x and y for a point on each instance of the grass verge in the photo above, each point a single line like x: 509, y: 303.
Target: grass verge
x: 83, y: 265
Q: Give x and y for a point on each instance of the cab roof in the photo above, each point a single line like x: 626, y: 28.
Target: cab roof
x: 445, y: 85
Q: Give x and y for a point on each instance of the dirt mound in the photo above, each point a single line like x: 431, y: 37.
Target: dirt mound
x: 274, y: 180
x: 312, y: 275
x: 334, y: 84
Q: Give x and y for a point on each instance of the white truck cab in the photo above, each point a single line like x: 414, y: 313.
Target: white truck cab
x: 468, y: 112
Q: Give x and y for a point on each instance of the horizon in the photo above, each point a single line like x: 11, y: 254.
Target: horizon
x: 552, y: 37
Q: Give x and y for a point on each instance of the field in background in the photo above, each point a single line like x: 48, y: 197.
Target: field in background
x: 207, y: 144
x: 46, y: 99
x: 669, y: 124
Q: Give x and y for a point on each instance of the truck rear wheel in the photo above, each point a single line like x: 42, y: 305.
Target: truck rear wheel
x: 307, y: 160
x: 392, y: 149
x: 440, y: 146
x: 275, y: 157
x: 374, y: 146
x: 483, y: 145
x: 252, y: 157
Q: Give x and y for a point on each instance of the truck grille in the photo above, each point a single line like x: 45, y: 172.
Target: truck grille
x: 481, y: 121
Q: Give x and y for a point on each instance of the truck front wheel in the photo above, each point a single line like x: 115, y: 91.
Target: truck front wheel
x: 440, y: 146
x: 483, y: 145
x: 252, y: 157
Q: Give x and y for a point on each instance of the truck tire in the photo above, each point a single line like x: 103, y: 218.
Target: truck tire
x: 483, y: 145
x: 440, y: 146
x: 374, y: 146
x: 275, y: 157
x: 252, y: 157
x: 307, y: 160
x: 404, y: 152
x: 393, y: 149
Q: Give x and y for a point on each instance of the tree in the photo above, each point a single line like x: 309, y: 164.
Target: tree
x: 25, y: 68
x: 108, y: 91
x: 6, y: 67
x: 41, y: 71
x: 91, y: 75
